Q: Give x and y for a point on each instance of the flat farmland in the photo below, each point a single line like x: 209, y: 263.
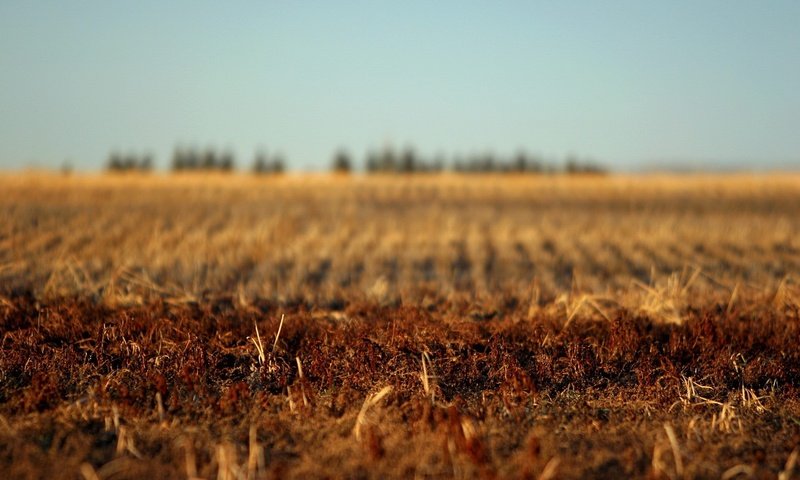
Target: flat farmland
x: 436, y: 326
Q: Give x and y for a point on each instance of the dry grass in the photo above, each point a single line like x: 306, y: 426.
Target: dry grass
x: 427, y: 326
x: 344, y: 397
x: 585, y: 245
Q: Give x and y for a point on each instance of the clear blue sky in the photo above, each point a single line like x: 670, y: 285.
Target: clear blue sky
x: 631, y: 83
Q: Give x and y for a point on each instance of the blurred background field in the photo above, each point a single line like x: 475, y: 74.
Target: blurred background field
x: 332, y: 239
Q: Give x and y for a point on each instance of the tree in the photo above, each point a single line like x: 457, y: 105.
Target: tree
x: 209, y: 159
x: 226, y: 162
x: 342, y: 163
x: 114, y: 163
x: 178, y: 159
x: 520, y: 162
x: 372, y: 163
x: 571, y: 165
x: 408, y: 161
x: 260, y: 162
x: 278, y: 164
x: 387, y: 160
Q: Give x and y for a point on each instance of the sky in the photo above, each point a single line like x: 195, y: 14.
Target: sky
x: 632, y: 84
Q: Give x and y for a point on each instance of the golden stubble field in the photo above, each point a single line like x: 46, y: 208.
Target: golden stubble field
x: 439, y: 326
x: 325, y: 239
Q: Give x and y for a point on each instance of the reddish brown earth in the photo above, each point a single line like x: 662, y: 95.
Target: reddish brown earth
x: 161, y: 391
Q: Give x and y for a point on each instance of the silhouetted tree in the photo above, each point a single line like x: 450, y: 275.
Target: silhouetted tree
x: 574, y: 165
x: 278, y: 164
x: 194, y: 160
x: 260, y: 162
x: 388, y: 162
x: 264, y: 164
x: 114, y: 162
x: 226, y: 162
x: 178, y: 159
x: 209, y: 159
x: 341, y: 162
x: 520, y: 162
x: 487, y: 163
x: 131, y: 162
x: 408, y: 161
x: 571, y: 164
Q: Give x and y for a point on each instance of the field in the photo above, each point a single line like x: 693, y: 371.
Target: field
x: 432, y: 326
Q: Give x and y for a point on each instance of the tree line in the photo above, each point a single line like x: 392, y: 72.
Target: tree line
x: 119, y: 162
x: 385, y: 161
x: 408, y: 161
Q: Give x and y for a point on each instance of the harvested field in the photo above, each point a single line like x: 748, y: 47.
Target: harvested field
x: 433, y: 326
